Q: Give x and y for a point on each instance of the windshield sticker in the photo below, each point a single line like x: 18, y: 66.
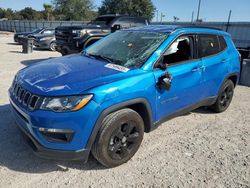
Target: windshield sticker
x: 117, y: 67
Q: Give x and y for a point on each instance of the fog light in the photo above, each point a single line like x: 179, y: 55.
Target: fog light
x: 57, y: 135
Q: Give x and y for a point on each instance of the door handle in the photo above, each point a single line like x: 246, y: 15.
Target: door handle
x: 202, y: 68
x: 196, y: 69
x: 224, y: 60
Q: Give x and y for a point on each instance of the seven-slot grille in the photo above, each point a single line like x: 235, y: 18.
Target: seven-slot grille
x: 24, y: 97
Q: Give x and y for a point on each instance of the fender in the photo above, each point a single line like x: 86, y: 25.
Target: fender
x: 226, y: 78
x: 114, y: 108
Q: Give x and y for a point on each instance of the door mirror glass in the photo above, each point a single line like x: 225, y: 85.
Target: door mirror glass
x: 115, y: 28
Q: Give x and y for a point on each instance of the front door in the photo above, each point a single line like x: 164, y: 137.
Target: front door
x: 186, y: 73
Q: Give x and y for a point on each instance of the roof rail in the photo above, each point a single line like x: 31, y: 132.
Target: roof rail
x: 198, y: 26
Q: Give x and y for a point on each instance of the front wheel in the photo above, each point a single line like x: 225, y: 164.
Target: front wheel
x: 52, y: 46
x: 119, y: 138
x: 225, y: 97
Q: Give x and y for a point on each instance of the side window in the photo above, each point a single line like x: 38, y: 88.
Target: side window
x: 139, y: 22
x: 208, y: 45
x: 180, y: 50
x: 223, y: 44
x: 124, y: 22
x: 48, y: 31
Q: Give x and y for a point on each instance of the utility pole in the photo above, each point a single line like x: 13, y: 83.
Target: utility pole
x: 228, y: 21
x: 162, y: 16
x: 198, y: 13
x: 192, y: 19
x: 157, y: 15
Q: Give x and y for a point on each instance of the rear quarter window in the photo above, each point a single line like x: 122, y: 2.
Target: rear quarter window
x: 208, y: 45
x: 223, y: 44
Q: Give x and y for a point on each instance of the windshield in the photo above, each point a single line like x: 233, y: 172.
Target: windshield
x: 102, y: 20
x: 127, y: 48
x: 37, y: 30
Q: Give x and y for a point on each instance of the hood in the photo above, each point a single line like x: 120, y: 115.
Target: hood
x: 23, y: 33
x: 41, y: 35
x: 89, y: 26
x: 69, y: 75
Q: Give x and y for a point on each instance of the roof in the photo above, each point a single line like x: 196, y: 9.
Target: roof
x: 155, y: 28
x: 170, y: 28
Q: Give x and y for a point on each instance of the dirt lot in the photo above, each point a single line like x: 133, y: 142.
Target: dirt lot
x: 200, y: 149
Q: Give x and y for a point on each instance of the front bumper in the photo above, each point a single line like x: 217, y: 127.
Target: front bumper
x: 75, y: 46
x: 47, y: 153
x: 18, y: 39
x: 81, y: 122
x: 42, y: 44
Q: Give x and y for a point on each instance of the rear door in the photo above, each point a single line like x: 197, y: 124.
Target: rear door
x: 215, y: 61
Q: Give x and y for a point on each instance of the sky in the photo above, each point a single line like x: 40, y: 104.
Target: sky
x: 211, y: 10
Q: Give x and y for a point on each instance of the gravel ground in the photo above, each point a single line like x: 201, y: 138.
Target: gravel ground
x: 200, y: 149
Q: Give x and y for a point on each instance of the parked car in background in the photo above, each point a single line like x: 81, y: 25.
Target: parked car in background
x: 103, y: 99
x: 18, y: 37
x: 73, y: 39
x: 46, y: 40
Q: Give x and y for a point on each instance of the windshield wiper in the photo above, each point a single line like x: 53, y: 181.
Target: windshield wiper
x: 108, y: 59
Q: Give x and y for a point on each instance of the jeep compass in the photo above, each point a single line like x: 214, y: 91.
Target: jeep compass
x: 104, y: 99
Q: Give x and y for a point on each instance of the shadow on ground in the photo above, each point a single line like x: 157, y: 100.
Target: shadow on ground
x: 13, y: 43
x: 17, y: 155
x: 15, y: 51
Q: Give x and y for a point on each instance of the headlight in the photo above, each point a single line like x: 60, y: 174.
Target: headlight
x: 20, y: 35
x: 45, y: 38
x: 80, y: 32
x: 65, y: 104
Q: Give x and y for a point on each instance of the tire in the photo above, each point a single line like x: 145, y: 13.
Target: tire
x: 64, y: 52
x: 119, y: 138
x: 224, y: 98
x: 52, y: 46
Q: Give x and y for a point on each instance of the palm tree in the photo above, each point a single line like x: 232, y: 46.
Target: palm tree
x: 48, y: 9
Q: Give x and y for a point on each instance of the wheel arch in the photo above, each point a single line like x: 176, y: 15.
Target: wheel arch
x: 140, y: 105
x: 87, y: 43
x: 234, y: 78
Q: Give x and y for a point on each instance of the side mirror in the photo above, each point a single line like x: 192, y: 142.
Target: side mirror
x: 115, y: 27
x: 164, y: 81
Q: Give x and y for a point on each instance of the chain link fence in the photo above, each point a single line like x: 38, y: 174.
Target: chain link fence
x: 26, y: 25
x: 240, y: 31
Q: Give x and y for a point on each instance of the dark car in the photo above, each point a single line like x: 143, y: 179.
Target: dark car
x: 103, y: 99
x: 46, y: 40
x: 72, y: 39
x: 18, y: 37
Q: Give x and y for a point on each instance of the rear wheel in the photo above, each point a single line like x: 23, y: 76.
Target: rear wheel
x: 119, y: 138
x: 225, y: 97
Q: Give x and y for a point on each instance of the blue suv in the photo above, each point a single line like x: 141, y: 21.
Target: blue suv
x: 104, y: 99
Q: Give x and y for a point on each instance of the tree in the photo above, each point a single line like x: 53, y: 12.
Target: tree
x: 29, y: 13
x: 48, y: 10
x: 143, y: 8
x: 7, y: 13
x: 73, y: 9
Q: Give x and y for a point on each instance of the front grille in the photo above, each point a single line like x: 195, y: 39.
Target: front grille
x: 24, y: 97
x: 64, y: 35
